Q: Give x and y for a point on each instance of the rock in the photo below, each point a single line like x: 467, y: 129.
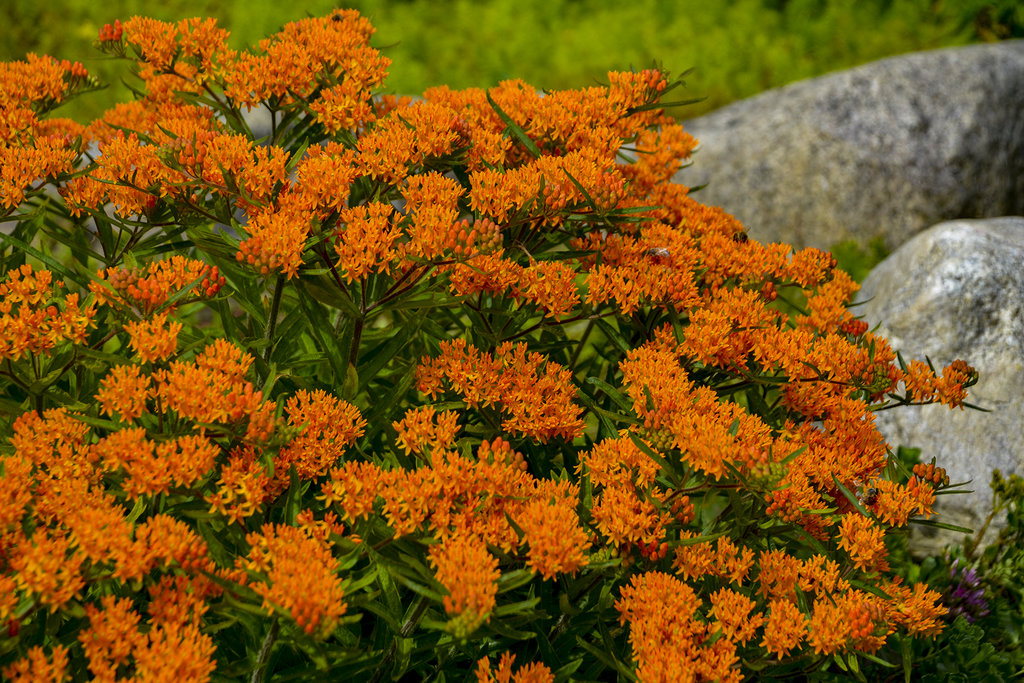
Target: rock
x: 957, y: 291
x: 886, y: 149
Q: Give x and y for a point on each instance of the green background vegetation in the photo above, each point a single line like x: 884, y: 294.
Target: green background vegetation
x: 738, y: 47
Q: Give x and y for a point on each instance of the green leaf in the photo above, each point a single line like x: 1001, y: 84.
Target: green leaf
x: 850, y: 497
x: 514, y: 128
x: 48, y: 261
x: 614, y: 394
x: 651, y: 453
x: 942, y: 525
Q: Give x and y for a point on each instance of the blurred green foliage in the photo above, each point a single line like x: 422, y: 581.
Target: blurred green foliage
x: 739, y: 47
x: 858, y: 261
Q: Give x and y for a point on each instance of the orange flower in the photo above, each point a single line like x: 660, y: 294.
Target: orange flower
x: 153, y: 468
x: 164, y: 542
x: 844, y: 621
x: 30, y: 320
x: 125, y: 391
x: 897, y: 503
x: 865, y: 543
x: 111, y: 636
x: 306, y: 54
x: 917, y: 609
x: 212, y: 389
x: 322, y: 180
x: 127, y: 174
x: 726, y: 560
x: 661, y: 609
x: 364, y: 244
x: 731, y: 611
x: 785, y: 628
x: 24, y: 165
x: 469, y: 573
x: 243, y: 485
x: 419, y: 433
x: 778, y: 574
x: 148, y: 289
x: 154, y: 339
x: 539, y: 400
x: 175, y: 653
x: 329, y: 426
x: 36, y: 667
x: 432, y: 204
x: 46, y: 565
x: 15, y: 490
x: 354, y: 487
x: 558, y: 544
x: 276, y: 242
x: 530, y: 673
x: 300, y: 576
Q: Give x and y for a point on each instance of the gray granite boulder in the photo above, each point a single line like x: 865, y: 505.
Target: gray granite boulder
x: 886, y: 149
x: 957, y: 291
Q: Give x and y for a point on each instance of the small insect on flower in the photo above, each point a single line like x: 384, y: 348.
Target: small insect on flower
x: 870, y: 496
x: 658, y: 254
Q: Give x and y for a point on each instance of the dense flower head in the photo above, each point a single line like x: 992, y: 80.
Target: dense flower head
x: 537, y: 395
x: 322, y: 52
x: 469, y: 574
x: 328, y: 425
x: 148, y: 289
x: 299, y: 576
x: 528, y: 673
x: 34, y: 319
x: 38, y: 667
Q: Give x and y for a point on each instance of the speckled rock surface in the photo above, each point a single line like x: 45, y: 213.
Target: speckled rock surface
x: 889, y: 148
x: 957, y: 291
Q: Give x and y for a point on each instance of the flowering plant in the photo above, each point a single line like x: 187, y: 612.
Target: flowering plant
x: 447, y: 387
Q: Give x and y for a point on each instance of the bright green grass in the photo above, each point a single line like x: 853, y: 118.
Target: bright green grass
x: 738, y: 47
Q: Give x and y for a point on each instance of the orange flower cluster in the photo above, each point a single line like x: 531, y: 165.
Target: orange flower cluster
x: 530, y: 673
x: 33, y: 320
x: 691, y: 418
x: 300, y: 575
x: 488, y: 498
x: 211, y: 389
x: 549, y: 285
x: 625, y: 510
x: 864, y: 541
x: 841, y: 618
x: 538, y: 395
x: 950, y: 389
x: 170, y: 650
x: 36, y: 667
x: 33, y: 149
x: 328, y: 426
x: 366, y: 243
x: 325, y: 62
x: 469, y: 573
x: 154, y: 339
x: 148, y: 289
x: 419, y: 433
x: 243, y: 486
x: 662, y: 609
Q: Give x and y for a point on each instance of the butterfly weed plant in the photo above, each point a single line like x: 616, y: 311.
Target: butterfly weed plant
x: 455, y: 388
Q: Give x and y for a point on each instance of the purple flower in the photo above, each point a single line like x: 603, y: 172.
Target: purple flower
x: 965, y: 594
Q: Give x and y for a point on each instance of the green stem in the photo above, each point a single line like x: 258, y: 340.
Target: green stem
x: 969, y: 552
x: 579, y: 346
x: 404, y: 632
x: 264, y: 657
x: 275, y: 307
